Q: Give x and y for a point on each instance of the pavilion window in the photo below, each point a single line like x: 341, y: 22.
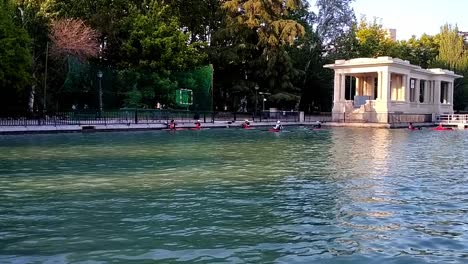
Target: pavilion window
x: 376, y: 88
x: 412, y: 90
x: 444, y: 92
x: 350, y: 87
x: 422, y: 90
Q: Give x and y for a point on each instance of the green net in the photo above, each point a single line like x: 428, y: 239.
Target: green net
x: 129, y: 88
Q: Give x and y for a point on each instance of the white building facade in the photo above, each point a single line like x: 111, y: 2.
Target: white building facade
x: 377, y: 90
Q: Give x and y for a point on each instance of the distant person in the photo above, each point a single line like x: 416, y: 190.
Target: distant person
x: 197, y: 124
x: 410, y: 126
x: 172, y: 125
x: 317, y: 125
x: 246, y: 124
x: 278, y: 126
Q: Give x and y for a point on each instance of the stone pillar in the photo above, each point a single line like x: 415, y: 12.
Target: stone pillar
x: 405, y: 87
x: 342, y: 87
x: 358, y: 86
x: 450, y: 98
x: 385, y: 94
x: 437, y: 92
x: 379, y: 85
x: 370, y: 86
x: 416, y: 91
x: 436, y: 103
x: 336, y: 88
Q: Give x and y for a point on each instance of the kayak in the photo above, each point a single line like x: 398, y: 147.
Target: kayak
x: 274, y: 130
x: 177, y: 129
x: 442, y: 129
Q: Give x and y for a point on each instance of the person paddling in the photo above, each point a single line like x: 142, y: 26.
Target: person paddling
x: 278, y: 126
x: 198, y: 124
x: 172, y: 125
x: 246, y: 124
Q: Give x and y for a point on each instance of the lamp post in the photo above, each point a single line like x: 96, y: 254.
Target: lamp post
x: 256, y: 93
x: 99, y: 75
x: 264, y: 99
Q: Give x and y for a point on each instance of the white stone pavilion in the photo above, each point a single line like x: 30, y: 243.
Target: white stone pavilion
x: 377, y: 89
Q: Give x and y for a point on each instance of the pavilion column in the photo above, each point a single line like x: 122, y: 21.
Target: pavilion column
x: 342, y: 87
x: 385, y: 86
x: 336, y: 88
x: 450, y: 97
x: 416, y: 91
x: 437, y: 85
x: 379, y: 85
x: 358, y: 86
x: 405, y: 86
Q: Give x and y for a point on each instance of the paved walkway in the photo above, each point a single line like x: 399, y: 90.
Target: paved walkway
x: 218, y: 124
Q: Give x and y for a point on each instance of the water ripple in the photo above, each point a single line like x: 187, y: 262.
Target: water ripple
x: 330, y: 196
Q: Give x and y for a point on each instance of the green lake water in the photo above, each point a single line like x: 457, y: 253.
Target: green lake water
x: 235, y: 196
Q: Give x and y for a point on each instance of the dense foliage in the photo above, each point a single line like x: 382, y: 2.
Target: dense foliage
x: 147, y: 49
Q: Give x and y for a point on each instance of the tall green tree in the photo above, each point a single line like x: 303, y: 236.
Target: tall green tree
x: 263, y: 30
x: 422, y: 51
x: 15, y: 55
x: 372, y: 39
x: 334, y: 20
x: 453, y: 54
x: 155, y: 46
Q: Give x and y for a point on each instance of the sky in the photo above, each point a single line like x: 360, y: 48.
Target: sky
x: 414, y: 17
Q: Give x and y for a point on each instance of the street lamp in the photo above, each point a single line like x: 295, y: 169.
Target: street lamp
x: 256, y: 92
x: 99, y: 75
x: 264, y: 99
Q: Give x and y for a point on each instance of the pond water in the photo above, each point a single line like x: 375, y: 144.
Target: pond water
x: 235, y: 196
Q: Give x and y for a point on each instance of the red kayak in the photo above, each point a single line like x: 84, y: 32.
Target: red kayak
x: 176, y: 129
x: 442, y: 129
x: 274, y: 130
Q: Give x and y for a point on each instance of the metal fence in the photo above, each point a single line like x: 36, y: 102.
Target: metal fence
x: 321, y: 117
x: 144, y: 116
x: 397, y: 118
x: 390, y: 118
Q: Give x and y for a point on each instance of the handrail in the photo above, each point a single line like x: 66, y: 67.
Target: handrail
x: 452, y: 119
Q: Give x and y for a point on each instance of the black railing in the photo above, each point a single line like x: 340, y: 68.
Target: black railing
x: 144, y: 116
x: 398, y: 118
x: 321, y: 117
x: 388, y: 118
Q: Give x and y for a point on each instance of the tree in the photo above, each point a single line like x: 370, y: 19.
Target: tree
x: 453, y: 55
x: 452, y: 49
x: 372, y: 39
x: 334, y: 20
x: 422, y: 51
x: 268, y: 18
x: 15, y: 55
x: 156, y: 47
x: 260, y: 31
x: 72, y: 37
x: 36, y: 24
